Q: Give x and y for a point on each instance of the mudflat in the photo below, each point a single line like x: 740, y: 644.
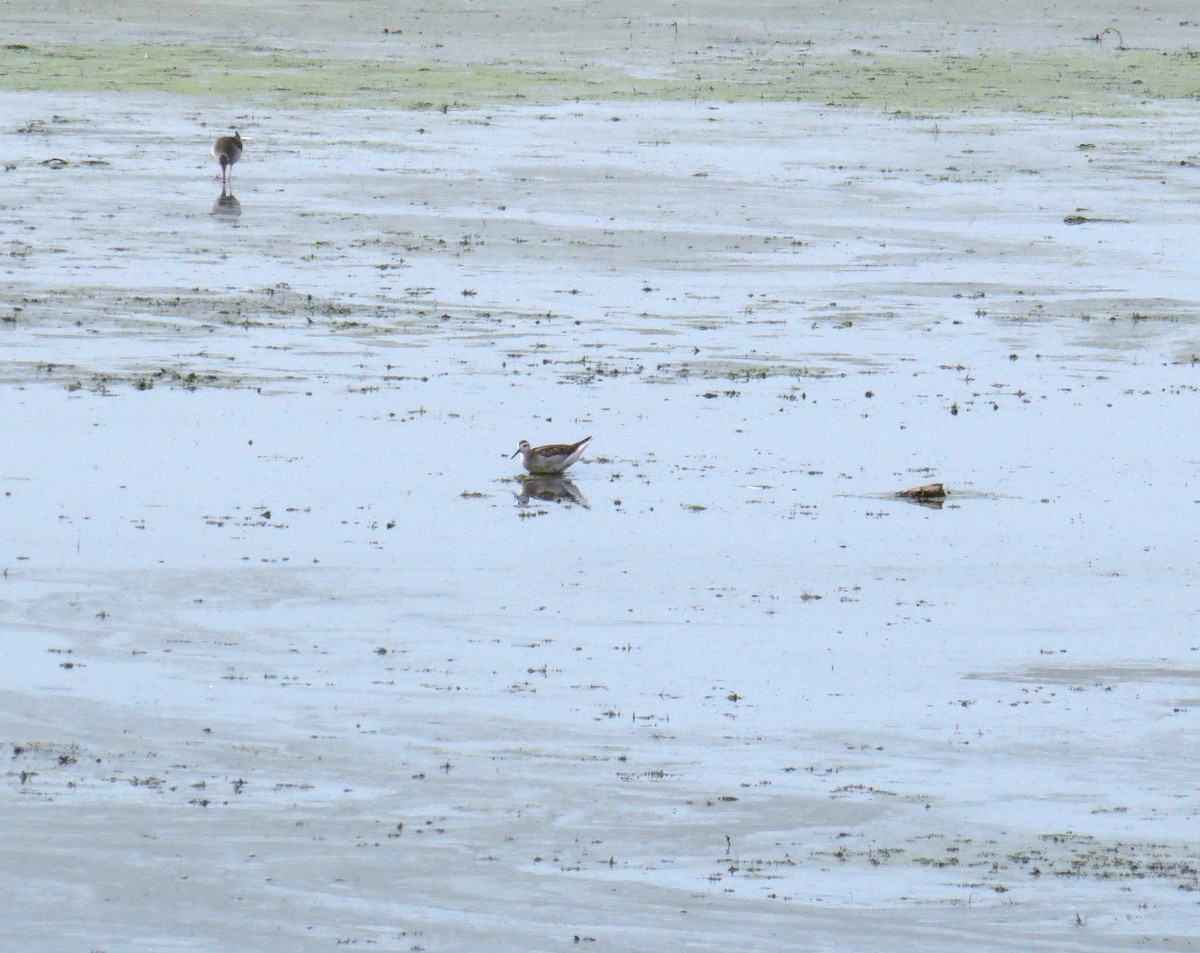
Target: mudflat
x: 298, y: 658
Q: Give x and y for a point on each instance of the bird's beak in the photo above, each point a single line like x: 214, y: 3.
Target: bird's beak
x: 515, y: 452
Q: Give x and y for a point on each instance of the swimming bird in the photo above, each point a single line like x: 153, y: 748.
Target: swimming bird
x: 552, y: 458
x: 227, y: 150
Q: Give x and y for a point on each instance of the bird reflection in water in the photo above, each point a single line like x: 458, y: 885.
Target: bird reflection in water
x: 551, y: 488
x: 227, y: 206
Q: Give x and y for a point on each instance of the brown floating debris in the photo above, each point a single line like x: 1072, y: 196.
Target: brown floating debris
x: 927, y: 492
x: 1086, y: 219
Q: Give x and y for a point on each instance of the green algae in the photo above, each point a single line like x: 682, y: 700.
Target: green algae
x: 277, y: 77
x: 1074, y: 81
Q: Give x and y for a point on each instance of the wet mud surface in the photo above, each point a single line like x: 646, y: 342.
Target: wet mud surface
x: 297, y: 658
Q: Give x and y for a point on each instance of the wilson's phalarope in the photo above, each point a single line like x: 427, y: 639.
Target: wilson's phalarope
x: 552, y: 458
x: 227, y: 150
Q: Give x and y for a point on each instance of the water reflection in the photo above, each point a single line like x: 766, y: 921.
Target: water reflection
x: 550, y: 488
x: 227, y: 206
x: 929, y: 502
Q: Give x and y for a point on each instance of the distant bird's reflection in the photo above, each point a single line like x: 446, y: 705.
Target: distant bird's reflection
x: 227, y: 206
x: 551, y: 488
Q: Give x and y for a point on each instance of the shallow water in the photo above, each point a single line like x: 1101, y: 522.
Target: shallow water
x: 286, y: 649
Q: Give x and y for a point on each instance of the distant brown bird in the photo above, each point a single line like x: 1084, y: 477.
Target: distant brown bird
x: 227, y: 150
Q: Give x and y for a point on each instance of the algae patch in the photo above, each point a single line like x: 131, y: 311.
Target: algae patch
x: 272, y: 76
x: 1060, y: 82
x: 1069, y: 81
